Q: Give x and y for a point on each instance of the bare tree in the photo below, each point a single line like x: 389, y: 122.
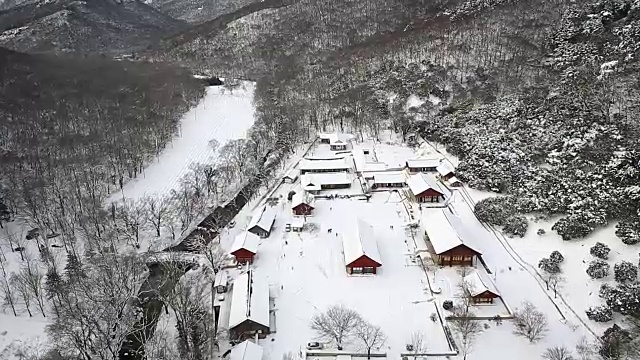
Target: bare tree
x: 16, y: 281
x: 370, y: 335
x: 530, y: 322
x: 8, y: 295
x: 557, y: 353
x: 584, y: 349
x: 556, y: 282
x: 157, y: 209
x: 194, y: 321
x: 466, y: 326
x: 337, y: 323
x: 133, y: 217
x: 418, y: 344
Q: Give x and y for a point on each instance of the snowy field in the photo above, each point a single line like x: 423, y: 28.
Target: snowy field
x: 220, y: 115
x: 579, y: 290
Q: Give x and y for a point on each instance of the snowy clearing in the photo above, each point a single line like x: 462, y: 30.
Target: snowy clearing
x: 221, y: 115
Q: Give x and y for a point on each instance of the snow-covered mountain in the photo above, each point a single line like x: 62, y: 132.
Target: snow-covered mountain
x: 83, y: 26
x: 196, y: 11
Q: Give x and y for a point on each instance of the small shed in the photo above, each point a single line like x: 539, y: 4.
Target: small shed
x: 221, y: 281
x: 249, y: 310
x: 426, y: 188
x: 454, y: 182
x: 246, y: 350
x: 423, y: 165
x: 480, y: 288
x: 361, y: 255
x: 297, y: 224
x: 291, y: 176
x: 337, y: 144
x: 325, y: 138
x: 245, y: 247
x: 262, y: 221
x: 302, y: 203
x: 446, y: 170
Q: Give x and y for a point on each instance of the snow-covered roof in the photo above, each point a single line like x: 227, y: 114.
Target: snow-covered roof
x: 246, y: 350
x: 336, y: 141
x: 419, y: 183
x: 361, y: 162
x: 326, y: 179
x: 297, y: 223
x: 446, y: 231
x: 424, y: 162
x: 477, y: 283
x: 361, y: 242
x: 221, y: 278
x: 302, y: 197
x: 308, y: 183
x: 263, y: 218
x: 245, y: 240
x: 445, y: 168
x: 453, y: 180
x: 249, y: 300
x: 394, y: 177
x: 331, y: 164
x: 292, y: 174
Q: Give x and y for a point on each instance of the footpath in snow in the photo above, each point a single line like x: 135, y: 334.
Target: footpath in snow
x: 221, y: 115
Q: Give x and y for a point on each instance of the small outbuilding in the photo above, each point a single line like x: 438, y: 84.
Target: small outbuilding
x: 262, y: 221
x: 454, y: 182
x: 337, y: 144
x: 449, y: 241
x: 302, y: 203
x: 297, y: 224
x: 425, y: 188
x: 246, y: 350
x: 249, y: 310
x: 423, y: 165
x: 291, y: 176
x: 446, y: 171
x: 361, y: 255
x: 220, y: 281
x: 480, y: 288
x: 245, y: 247
x: 396, y: 179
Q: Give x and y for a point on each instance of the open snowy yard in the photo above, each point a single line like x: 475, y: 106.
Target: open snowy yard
x: 221, y: 116
x: 306, y: 273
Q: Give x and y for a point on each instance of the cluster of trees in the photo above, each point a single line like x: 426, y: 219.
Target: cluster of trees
x: 340, y: 324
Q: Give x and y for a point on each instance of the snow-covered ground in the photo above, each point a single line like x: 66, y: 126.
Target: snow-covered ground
x: 306, y: 272
x: 579, y: 290
x: 220, y: 115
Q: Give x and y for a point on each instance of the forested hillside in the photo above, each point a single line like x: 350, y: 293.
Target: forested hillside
x: 84, y: 26
x: 89, y: 122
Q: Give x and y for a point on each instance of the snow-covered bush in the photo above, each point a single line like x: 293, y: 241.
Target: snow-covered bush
x: 516, y: 225
x: 556, y: 256
x: 541, y: 232
x: 598, y: 269
x: 447, y: 305
x: 629, y: 231
x: 494, y: 210
x: 613, y: 342
x: 599, y: 313
x: 600, y: 250
x: 578, y: 225
x: 623, y: 299
x: 550, y: 266
x: 625, y: 271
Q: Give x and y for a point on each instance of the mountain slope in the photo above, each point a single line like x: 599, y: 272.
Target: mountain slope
x: 83, y: 26
x: 197, y: 11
